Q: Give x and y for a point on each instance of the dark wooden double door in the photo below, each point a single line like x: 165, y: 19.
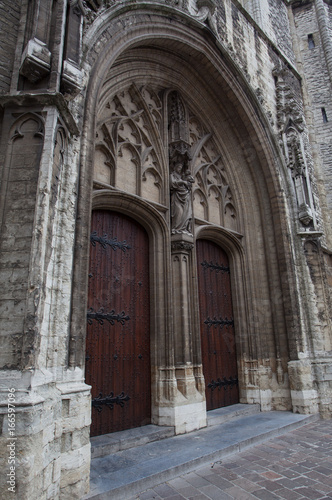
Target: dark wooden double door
x: 118, y: 329
x: 217, y: 326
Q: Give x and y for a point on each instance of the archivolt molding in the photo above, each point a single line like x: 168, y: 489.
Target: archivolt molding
x: 130, y: 31
x: 134, y: 207
x: 181, y: 39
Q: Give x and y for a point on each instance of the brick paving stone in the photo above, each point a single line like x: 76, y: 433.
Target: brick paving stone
x: 285, y: 463
x: 270, y: 485
x: 148, y: 495
x: 306, y: 481
x: 176, y: 497
x: 287, y: 483
x: 291, y: 473
x: 264, y: 463
x: 310, y: 464
x: 246, y: 485
x: 265, y: 495
x: 200, y: 496
x: 215, y: 493
x: 164, y: 490
x: 188, y: 491
x: 309, y: 493
x: 179, y: 482
x: 256, y: 478
x: 239, y: 472
x: 271, y: 475
x: 324, y: 488
x: 205, y: 471
x: 250, y: 456
x: 220, y: 482
x: 287, y: 494
x: 300, y: 469
x: 195, y: 480
x: 296, y: 466
x: 278, y: 468
x: 323, y: 470
x: 227, y: 474
x: 238, y: 493
x: 315, y: 475
x: 231, y: 465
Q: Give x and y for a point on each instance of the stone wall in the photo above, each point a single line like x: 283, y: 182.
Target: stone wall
x: 9, y: 25
x: 313, y: 67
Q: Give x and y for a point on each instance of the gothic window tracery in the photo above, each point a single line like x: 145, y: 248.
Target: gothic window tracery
x: 212, y: 193
x: 134, y: 154
x: 128, y: 144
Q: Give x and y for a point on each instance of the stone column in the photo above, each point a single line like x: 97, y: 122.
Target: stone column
x: 190, y: 410
x: 324, y: 30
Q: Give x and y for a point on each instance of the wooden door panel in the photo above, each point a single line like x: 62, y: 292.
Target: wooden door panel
x: 118, y: 331
x: 217, y: 326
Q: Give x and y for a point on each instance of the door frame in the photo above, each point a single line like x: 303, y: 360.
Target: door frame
x: 161, y: 334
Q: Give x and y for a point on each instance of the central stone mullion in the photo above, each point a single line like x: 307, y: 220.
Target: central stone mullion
x: 182, y: 246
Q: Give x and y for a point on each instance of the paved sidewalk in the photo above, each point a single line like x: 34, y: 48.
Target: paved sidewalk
x: 296, y: 465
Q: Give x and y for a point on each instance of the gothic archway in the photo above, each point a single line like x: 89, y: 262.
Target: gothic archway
x: 232, y: 161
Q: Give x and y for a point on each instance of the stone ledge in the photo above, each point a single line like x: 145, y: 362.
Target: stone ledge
x: 30, y: 100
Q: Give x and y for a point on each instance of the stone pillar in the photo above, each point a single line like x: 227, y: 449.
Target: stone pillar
x: 324, y: 29
x: 190, y: 411
x: 304, y: 395
x: 50, y: 405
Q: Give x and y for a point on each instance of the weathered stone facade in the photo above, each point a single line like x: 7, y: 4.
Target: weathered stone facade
x: 99, y: 102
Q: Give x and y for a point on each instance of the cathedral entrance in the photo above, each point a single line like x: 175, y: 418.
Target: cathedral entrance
x: 217, y: 326
x: 118, y: 324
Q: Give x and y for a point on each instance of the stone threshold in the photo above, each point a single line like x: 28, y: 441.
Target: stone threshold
x: 130, y: 438
x: 125, y: 473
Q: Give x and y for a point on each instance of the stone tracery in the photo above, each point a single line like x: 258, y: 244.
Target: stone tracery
x: 128, y: 156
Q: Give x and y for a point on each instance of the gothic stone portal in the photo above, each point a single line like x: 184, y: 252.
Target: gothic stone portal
x: 118, y: 331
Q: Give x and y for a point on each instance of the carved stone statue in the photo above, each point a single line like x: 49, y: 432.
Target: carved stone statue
x: 181, y: 203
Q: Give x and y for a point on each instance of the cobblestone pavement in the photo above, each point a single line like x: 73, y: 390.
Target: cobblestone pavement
x: 296, y: 465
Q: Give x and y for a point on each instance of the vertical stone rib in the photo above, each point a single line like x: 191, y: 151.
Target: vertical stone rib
x: 324, y: 33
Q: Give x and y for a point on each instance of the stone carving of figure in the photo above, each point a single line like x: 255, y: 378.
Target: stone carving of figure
x: 181, y: 203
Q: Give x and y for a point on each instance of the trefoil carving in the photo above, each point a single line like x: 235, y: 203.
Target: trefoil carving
x: 181, y: 245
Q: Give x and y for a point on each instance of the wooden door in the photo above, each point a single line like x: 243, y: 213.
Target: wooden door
x: 118, y: 324
x: 217, y: 326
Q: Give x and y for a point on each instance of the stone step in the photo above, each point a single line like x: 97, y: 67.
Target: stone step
x: 122, y: 475
x: 108, y: 444
x: 223, y: 415
x: 130, y: 438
